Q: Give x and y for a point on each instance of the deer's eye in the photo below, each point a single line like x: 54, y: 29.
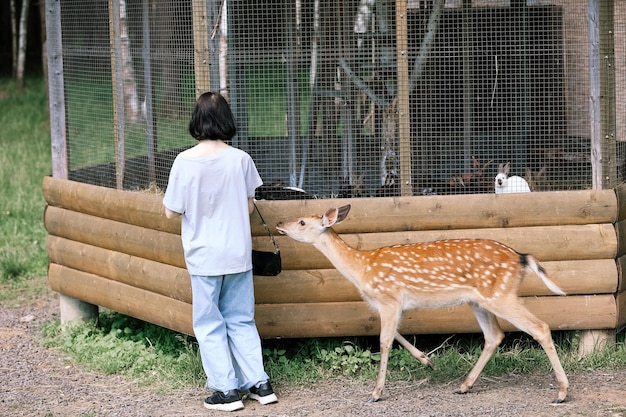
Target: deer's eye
x: 302, y: 223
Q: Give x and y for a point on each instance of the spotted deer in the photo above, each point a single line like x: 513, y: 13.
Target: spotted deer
x: 482, y: 273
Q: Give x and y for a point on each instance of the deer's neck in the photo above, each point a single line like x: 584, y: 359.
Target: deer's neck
x: 345, y: 259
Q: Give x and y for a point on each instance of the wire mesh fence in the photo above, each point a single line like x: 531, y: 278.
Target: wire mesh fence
x: 352, y: 98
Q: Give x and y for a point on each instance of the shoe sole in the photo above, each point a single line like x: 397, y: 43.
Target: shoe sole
x: 234, y: 406
x: 268, y: 399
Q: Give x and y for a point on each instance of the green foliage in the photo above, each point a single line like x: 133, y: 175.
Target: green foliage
x: 347, y: 359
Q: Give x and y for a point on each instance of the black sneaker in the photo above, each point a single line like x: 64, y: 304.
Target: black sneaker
x: 263, y: 394
x: 224, y: 401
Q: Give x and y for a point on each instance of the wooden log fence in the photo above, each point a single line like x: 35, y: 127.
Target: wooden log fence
x: 116, y: 249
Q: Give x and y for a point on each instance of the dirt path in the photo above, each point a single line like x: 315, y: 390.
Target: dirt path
x: 35, y: 381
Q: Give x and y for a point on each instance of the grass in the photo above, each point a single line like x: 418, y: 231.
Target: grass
x: 90, y: 126
x: 164, y: 359
x: 24, y: 161
x: 119, y: 344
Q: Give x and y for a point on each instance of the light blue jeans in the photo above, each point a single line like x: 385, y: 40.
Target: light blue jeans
x: 223, y: 323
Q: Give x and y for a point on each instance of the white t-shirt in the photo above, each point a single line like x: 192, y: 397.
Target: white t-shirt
x: 212, y: 194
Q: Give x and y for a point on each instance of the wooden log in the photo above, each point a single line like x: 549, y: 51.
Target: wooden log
x: 357, y: 319
x: 368, y: 215
x: 324, y: 319
x: 549, y: 243
x: 132, y: 207
x: 469, y: 211
x: 297, y: 286
x: 144, y: 305
x: 109, y: 234
x: 167, y: 280
x: 328, y: 285
x: 566, y: 242
x: 577, y: 277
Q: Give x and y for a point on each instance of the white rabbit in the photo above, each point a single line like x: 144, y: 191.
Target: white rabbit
x: 505, y: 184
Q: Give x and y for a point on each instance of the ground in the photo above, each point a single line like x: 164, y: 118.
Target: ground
x: 36, y: 381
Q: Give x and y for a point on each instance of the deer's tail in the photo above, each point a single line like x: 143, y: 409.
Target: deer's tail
x: 530, y: 264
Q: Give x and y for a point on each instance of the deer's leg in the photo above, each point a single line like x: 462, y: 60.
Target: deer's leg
x: 524, y: 320
x: 415, y: 352
x: 389, y: 318
x: 493, y: 337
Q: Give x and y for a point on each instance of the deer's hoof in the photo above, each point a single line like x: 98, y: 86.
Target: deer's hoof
x: 558, y: 401
x: 372, y: 399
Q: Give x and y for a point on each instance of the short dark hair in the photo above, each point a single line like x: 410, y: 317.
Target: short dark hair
x: 212, y: 118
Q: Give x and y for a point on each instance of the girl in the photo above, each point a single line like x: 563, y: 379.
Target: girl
x: 212, y: 186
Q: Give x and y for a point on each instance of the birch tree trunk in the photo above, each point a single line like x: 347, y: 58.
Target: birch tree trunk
x: 21, y: 49
x: 44, y: 49
x: 223, y: 52
x: 13, y: 38
x: 128, y: 74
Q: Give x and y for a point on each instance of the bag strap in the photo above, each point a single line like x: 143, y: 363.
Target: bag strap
x: 267, y: 229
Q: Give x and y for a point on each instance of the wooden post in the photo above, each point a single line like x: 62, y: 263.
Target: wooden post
x: 117, y: 90
x: 403, y: 117
x: 602, y: 113
x: 151, y: 124
x: 602, y: 94
x: 590, y: 341
x: 201, y: 47
x: 71, y: 308
x: 56, y: 89
x: 467, y: 16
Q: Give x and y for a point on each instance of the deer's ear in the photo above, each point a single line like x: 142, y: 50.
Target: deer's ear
x: 342, y: 213
x: 335, y: 215
x: 330, y: 217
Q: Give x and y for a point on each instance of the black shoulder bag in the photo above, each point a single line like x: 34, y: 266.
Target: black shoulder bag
x: 266, y: 263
